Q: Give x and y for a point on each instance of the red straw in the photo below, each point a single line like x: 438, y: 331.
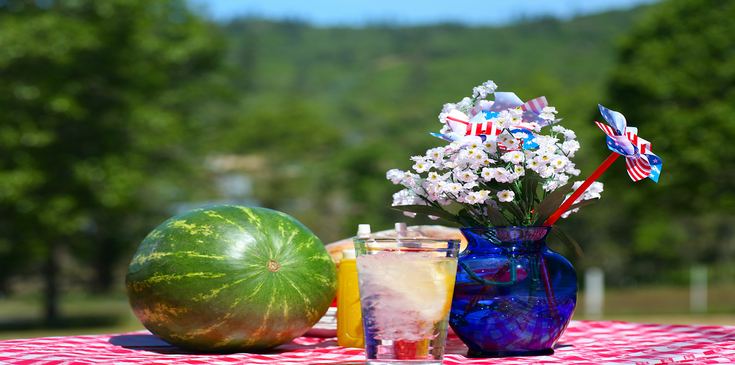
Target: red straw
x: 586, y: 184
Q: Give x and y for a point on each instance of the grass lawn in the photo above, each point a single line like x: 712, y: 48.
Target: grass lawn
x: 668, y: 305
x: 87, y: 315
x: 81, y: 315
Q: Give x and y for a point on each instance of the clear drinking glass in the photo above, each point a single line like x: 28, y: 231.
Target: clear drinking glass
x: 406, y: 286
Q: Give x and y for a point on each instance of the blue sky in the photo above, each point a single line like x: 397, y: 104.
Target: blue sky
x: 407, y: 12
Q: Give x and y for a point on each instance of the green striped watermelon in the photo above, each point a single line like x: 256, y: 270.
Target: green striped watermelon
x: 230, y: 278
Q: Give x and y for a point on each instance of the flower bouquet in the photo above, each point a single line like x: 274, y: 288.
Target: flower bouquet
x: 498, y: 168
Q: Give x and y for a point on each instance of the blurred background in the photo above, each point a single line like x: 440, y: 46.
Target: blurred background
x: 117, y: 114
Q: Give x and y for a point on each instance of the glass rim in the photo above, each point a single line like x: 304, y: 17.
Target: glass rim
x: 407, y: 244
x: 387, y: 238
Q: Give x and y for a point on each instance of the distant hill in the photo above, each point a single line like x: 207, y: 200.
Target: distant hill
x: 374, y: 80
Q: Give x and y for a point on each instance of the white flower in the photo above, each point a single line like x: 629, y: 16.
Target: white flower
x: 482, y: 195
x: 506, y: 196
x: 440, y: 186
x: 487, y: 174
x: 502, y: 175
x: 592, y: 192
x: 470, y: 155
x: 479, y: 160
x: 395, y: 176
x: 477, y: 197
x: 490, y: 146
x: 453, y: 188
x: 562, y: 179
x: 469, y: 186
x: 509, y: 142
x: 546, y: 171
x: 432, y: 194
x: 503, y: 120
x: 466, y: 103
x: 546, y: 144
x: 516, y: 116
x: 471, y: 199
x: 514, y: 157
x: 405, y: 197
x: 422, y: 165
x: 570, y: 147
x: 550, y: 185
x: 433, y: 176
x: 474, y: 143
x: 409, y: 179
x: 445, y: 129
x: 571, y: 170
x: 482, y: 91
x: 464, y: 142
x: 559, y: 163
x: 544, y: 158
x: 436, y: 154
x: 465, y: 175
x: 548, y: 113
x: 484, y: 104
x: 533, y: 165
x: 450, y: 164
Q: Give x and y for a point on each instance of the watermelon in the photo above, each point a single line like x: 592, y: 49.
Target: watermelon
x: 230, y: 278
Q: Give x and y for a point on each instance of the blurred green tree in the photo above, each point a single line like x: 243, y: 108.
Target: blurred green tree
x: 97, y: 99
x: 675, y: 80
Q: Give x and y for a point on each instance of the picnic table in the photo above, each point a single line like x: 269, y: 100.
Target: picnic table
x: 584, y: 342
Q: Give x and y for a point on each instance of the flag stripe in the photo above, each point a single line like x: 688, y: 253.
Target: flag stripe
x: 606, y: 128
x: 638, y: 168
x: 535, y: 105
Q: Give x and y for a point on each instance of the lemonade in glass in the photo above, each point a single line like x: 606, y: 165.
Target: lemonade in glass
x: 406, y: 287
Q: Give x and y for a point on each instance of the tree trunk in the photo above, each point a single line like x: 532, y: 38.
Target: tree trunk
x: 51, y: 294
x: 104, y: 264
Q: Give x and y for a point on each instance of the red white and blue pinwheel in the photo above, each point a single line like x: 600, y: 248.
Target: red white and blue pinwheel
x: 640, y: 161
x: 623, y: 141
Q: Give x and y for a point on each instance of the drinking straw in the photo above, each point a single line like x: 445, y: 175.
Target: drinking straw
x: 586, y: 184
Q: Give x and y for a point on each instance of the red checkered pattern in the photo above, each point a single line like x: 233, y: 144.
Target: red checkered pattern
x: 584, y: 343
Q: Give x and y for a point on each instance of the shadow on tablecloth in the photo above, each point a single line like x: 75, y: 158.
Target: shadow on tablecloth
x: 456, y: 346
x: 151, y: 343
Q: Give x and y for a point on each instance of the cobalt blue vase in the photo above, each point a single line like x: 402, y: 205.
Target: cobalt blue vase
x: 513, y: 295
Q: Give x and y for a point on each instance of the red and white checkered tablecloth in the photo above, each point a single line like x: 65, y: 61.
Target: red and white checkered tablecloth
x: 584, y: 342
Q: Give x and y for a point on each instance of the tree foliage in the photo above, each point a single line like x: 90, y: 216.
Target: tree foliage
x: 675, y: 81
x: 96, y: 98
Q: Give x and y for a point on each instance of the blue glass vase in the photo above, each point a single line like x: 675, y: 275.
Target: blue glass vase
x: 513, y: 295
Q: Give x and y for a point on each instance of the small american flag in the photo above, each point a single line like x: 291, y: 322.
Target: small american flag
x: 460, y: 123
